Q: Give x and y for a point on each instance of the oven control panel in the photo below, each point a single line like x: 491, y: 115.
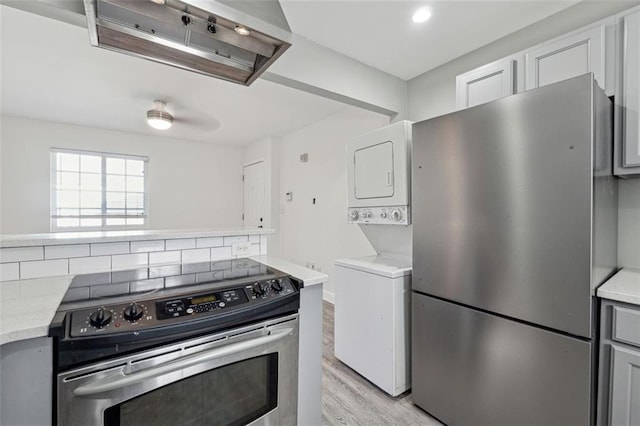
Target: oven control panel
x: 128, y: 317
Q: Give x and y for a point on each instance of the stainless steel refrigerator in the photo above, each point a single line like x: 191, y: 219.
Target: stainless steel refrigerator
x: 514, y: 226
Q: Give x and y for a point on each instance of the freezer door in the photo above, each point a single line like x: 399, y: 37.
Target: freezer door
x: 473, y: 368
x: 502, y: 205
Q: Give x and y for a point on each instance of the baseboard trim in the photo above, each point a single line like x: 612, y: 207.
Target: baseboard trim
x: 329, y: 296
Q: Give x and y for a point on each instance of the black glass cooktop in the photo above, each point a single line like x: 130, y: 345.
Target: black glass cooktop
x: 179, y: 278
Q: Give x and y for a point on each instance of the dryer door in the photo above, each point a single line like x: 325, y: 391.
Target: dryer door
x: 373, y: 171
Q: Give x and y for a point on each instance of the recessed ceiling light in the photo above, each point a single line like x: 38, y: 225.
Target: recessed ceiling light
x: 158, y: 118
x: 421, y: 15
x: 242, y: 30
x: 159, y: 1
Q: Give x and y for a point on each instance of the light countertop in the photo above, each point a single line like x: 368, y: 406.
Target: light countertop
x: 28, y: 306
x: 58, y: 238
x: 622, y: 287
x: 386, y: 266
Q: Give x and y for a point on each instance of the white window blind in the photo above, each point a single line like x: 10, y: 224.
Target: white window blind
x: 94, y: 190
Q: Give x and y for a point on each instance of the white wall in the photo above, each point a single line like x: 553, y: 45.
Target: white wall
x: 319, y: 233
x: 434, y: 93
x: 191, y: 185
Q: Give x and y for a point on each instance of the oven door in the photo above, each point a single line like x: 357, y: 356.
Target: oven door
x: 248, y: 375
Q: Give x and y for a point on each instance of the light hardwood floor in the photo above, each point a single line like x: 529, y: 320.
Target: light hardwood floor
x: 350, y: 399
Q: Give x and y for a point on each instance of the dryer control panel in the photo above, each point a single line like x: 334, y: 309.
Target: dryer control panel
x: 393, y: 215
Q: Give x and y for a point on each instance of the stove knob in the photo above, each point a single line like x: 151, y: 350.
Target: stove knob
x: 276, y: 286
x: 258, y: 290
x: 133, y: 312
x: 353, y: 215
x: 100, y: 318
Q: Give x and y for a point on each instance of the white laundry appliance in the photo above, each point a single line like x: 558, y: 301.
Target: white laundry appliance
x: 378, y: 176
x: 372, y: 319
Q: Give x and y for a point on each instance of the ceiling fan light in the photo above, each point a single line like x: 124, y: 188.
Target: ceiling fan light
x: 158, y: 118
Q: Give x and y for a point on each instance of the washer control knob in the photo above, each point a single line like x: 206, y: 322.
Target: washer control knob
x: 353, y: 214
x: 100, y: 318
x: 383, y: 215
x: 367, y: 214
x: 133, y: 312
x: 396, y: 215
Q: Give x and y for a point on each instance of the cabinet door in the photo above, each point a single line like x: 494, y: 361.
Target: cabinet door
x: 485, y: 84
x: 566, y: 58
x: 625, y: 387
x: 628, y: 110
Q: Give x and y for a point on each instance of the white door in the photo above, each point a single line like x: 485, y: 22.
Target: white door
x: 254, y: 195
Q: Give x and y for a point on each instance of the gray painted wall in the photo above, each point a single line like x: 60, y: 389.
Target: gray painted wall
x: 434, y: 93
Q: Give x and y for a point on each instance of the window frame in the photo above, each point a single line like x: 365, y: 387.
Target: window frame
x: 53, y: 216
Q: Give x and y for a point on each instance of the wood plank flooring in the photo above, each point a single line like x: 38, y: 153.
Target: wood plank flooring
x: 350, y: 399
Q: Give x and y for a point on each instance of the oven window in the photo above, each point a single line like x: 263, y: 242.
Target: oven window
x: 235, y: 394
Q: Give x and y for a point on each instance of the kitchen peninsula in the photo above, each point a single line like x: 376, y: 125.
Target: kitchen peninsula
x: 37, y: 269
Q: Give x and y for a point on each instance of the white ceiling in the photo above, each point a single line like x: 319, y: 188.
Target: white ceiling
x: 50, y: 71
x: 380, y: 33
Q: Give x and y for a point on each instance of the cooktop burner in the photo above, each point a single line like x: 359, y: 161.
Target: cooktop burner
x: 91, y: 289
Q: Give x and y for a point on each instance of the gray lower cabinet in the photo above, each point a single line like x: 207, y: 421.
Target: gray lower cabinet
x: 625, y: 386
x: 619, y: 377
x: 26, y: 382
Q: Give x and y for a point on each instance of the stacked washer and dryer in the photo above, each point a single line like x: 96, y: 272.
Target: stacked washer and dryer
x: 372, y: 294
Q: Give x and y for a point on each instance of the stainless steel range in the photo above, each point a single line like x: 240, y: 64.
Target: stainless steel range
x: 212, y: 343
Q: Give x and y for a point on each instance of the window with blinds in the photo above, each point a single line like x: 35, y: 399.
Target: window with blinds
x: 95, y: 190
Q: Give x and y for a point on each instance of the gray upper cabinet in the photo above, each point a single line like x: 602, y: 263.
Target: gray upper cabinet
x: 485, y: 84
x: 627, y: 137
x: 589, y: 49
x: 567, y: 57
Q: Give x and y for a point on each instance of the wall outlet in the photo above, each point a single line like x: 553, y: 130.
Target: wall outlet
x: 240, y: 249
x: 313, y: 266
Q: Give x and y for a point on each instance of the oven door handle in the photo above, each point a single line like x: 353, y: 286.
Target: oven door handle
x: 109, y: 384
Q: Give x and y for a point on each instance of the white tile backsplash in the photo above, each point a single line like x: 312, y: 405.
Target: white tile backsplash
x: 220, y: 253
x: 103, y: 249
x: 238, y: 239
x: 100, y: 258
x: 164, y: 257
x: 83, y: 265
x: 196, y: 255
x: 9, y: 271
x: 210, y: 242
x: 134, y: 260
x: 66, y: 251
x: 21, y: 254
x: 146, y: 246
x: 44, y: 268
x: 180, y: 244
